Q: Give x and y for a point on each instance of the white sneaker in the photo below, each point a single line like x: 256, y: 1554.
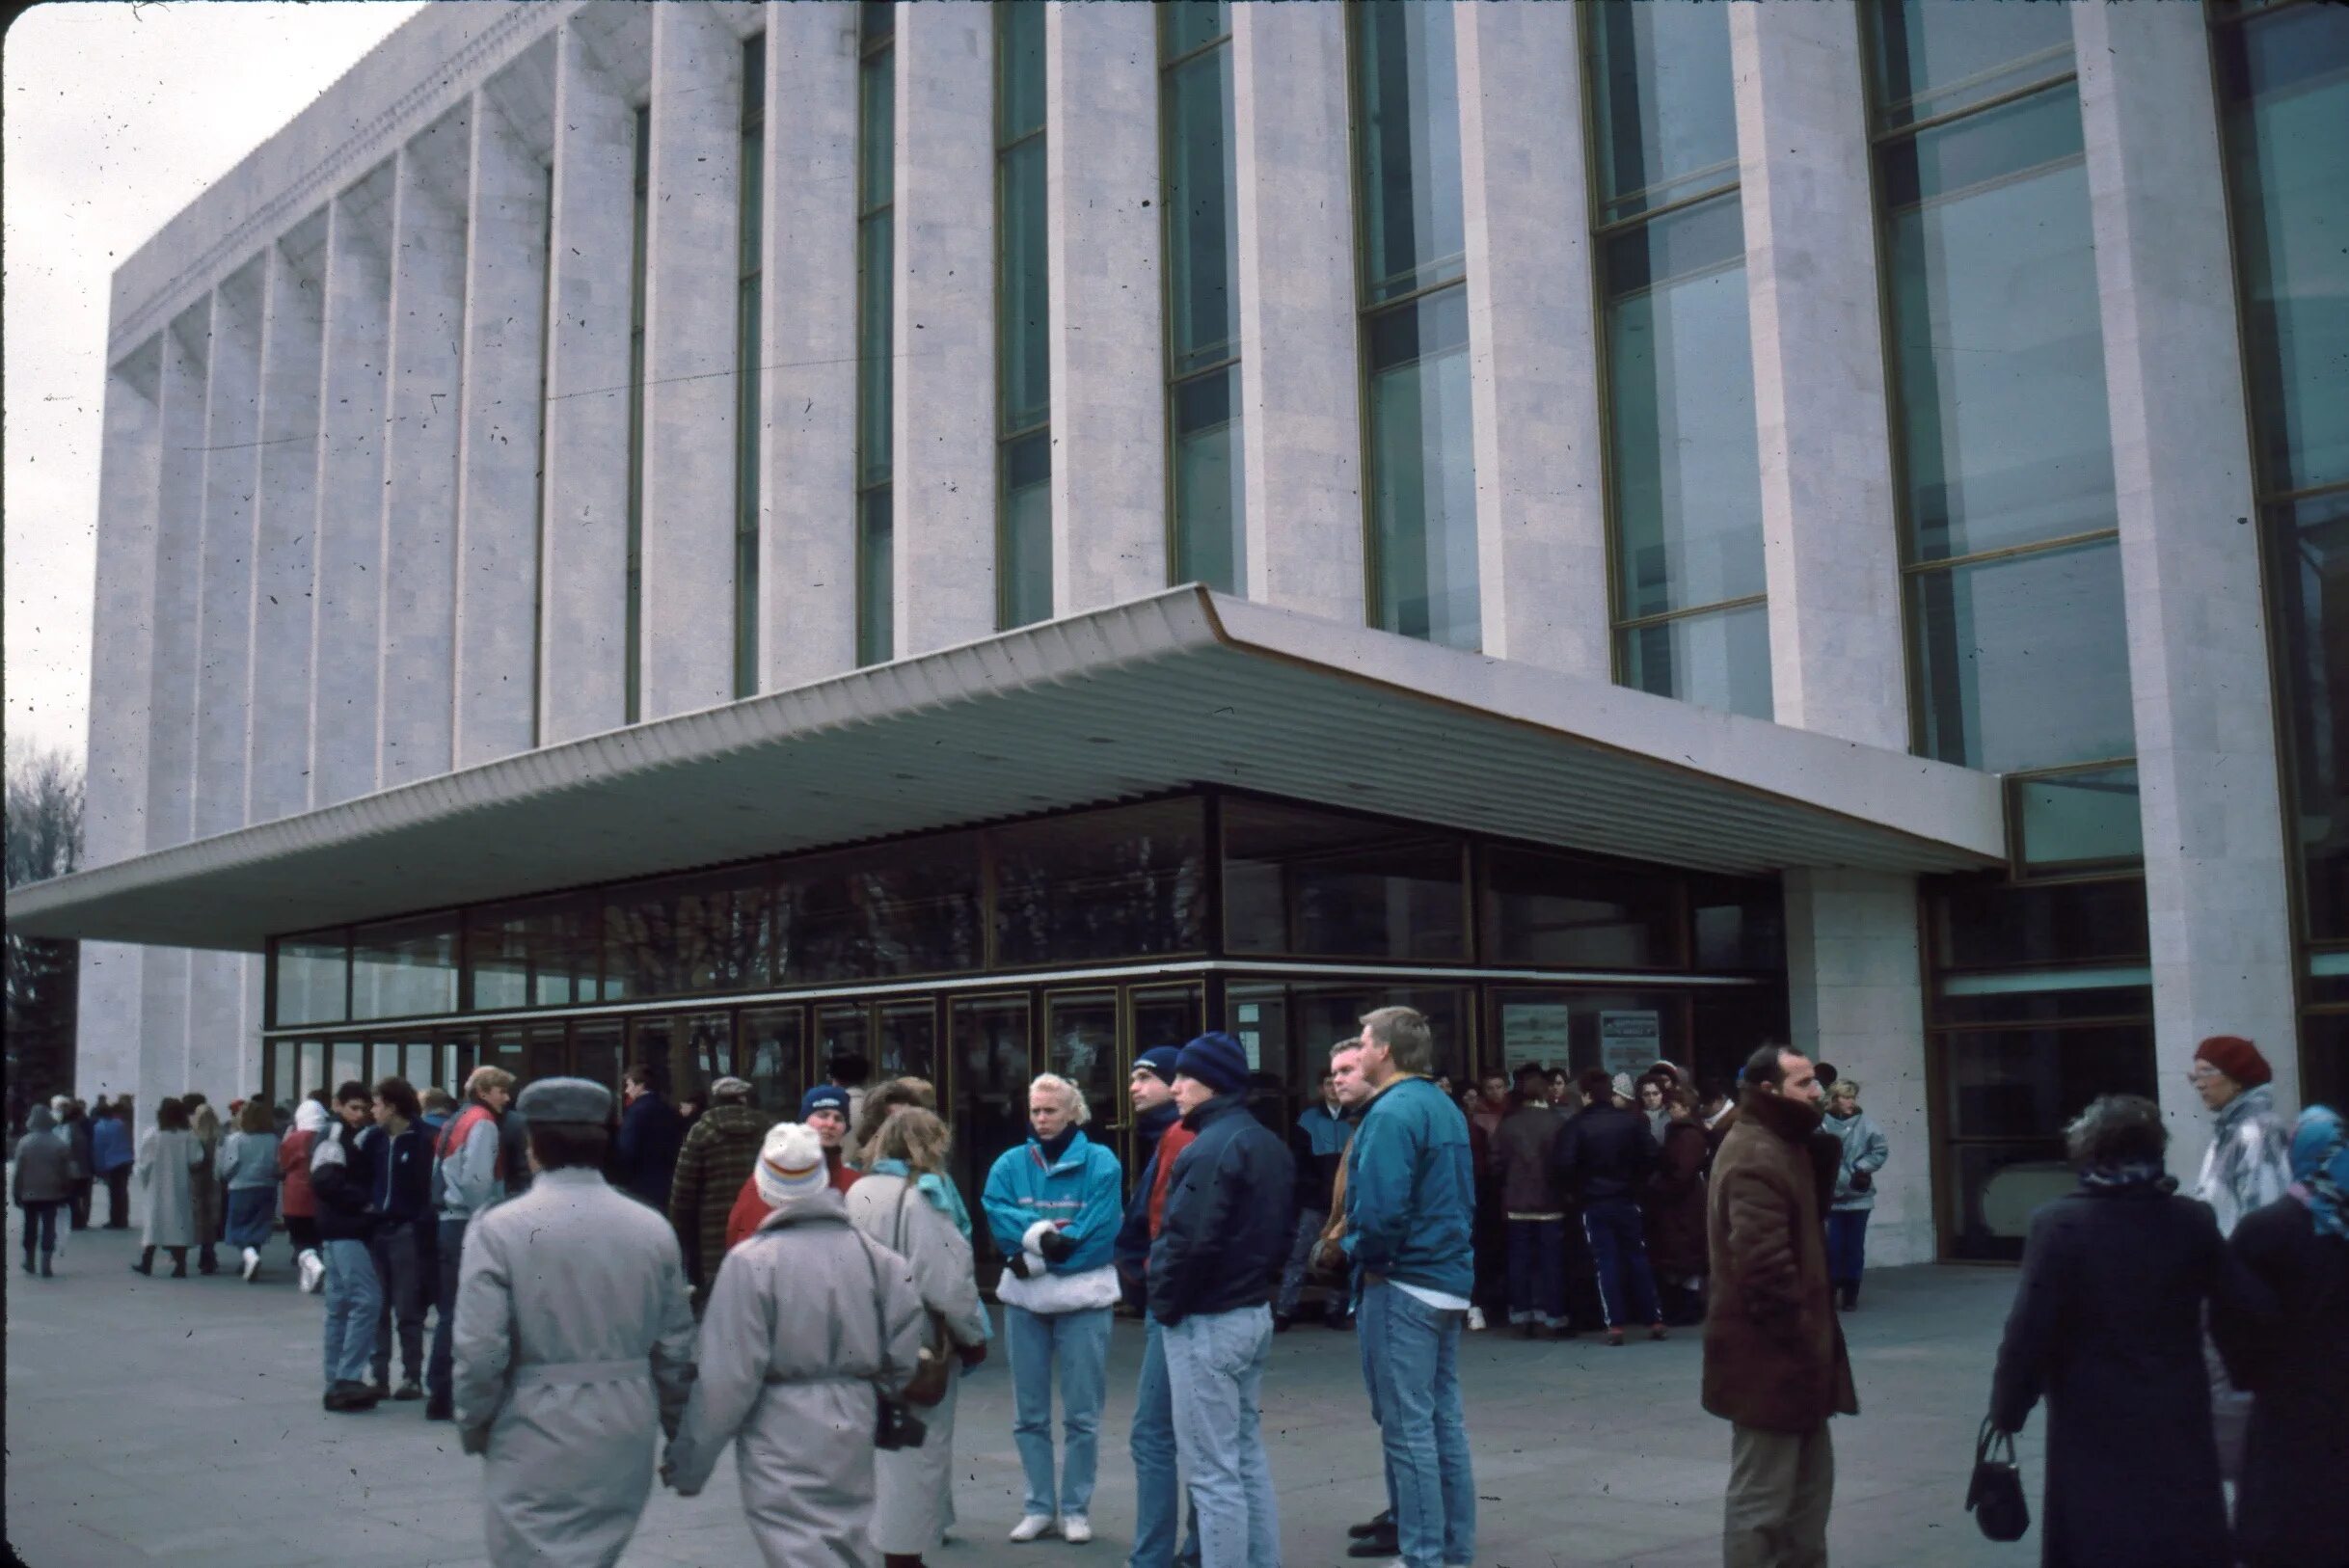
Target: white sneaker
x: 1032, y: 1527
x: 253, y: 1264
x: 1075, y: 1529
x: 1476, y: 1321
x: 312, y: 1269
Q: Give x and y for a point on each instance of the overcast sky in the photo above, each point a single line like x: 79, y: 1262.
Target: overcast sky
x: 117, y: 115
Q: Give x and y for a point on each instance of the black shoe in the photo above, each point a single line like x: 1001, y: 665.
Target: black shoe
x: 28, y: 1263
x: 1382, y: 1524
x: 179, y: 1270
x: 47, y: 1272
x: 409, y: 1389
x: 1376, y: 1546
x: 1282, y: 1322
x: 347, y: 1396
x: 440, y: 1410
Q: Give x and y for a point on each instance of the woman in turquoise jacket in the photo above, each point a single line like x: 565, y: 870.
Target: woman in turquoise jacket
x: 1053, y: 1204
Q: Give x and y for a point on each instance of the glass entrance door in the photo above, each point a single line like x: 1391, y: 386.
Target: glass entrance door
x: 771, y: 1050
x: 991, y: 1091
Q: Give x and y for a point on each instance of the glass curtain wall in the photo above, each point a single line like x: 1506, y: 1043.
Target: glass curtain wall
x: 632, y: 633
x: 1418, y: 443
x: 876, y: 305
x: 1692, y: 619
x: 1023, y: 397
x: 2283, y: 84
x: 747, y: 370
x: 2019, y: 650
x: 1209, y: 509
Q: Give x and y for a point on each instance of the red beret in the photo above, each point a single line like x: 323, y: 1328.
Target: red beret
x: 2236, y: 1057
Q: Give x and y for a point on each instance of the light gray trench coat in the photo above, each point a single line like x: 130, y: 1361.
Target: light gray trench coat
x: 167, y: 1186
x: 807, y: 1319
x: 574, y: 1347
x: 914, y: 1488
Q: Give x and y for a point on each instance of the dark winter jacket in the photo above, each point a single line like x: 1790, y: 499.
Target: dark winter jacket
x: 1149, y: 1126
x: 45, y: 1165
x: 2287, y: 1342
x: 1607, y: 1152
x: 1675, y: 1202
x: 342, y: 1183
x: 1319, y: 1147
x: 75, y: 1129
x: 721, y: 1151
x: 1523, y: 1159
x: 2107, y: 1327
x: 1225, y: 1231
x: 1774, y: 1354
x: 1411, y: 1190
x: 644, y: 1155
x: 111, y: 1144
x: 400, y: 1177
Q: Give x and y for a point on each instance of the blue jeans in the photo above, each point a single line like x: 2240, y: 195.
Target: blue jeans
x: 1847, y: 1244
x: 1537, y: 1272
x: 1619, y: 1245
x: 1411, y: 1355
x: 1157, y: 1481
x: 1079, y: 1342
x: 1215, y: 1362
x: 352, y: 1298
x: 439, y: 1365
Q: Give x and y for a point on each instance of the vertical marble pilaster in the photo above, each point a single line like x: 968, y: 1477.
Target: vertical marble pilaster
x: 1108, y: 365
x: 1830, y: 543
x: 1533, y: 355
x: 807, y: 489
x: 224, y: 594
x: 1300, y: 381
x: 2217, y: 889
x: 944, y: 418
x: 285, y: 533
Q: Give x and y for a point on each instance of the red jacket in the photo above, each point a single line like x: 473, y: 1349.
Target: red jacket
x: 751, y: 1210
x: 297, y: 1200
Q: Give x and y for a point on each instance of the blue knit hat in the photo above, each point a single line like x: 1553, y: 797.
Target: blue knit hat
x: 1216, y: 1060
x: 1160, y: 1061
x: 823, y: 1097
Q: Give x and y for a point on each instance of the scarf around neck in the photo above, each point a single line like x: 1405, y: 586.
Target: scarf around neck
x: 942, y: 1194
x: 2124, y: 1175
x: 2320, y: 1168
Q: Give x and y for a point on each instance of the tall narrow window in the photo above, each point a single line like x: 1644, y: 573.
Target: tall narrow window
x: 1023, y: 369
x: 538, y: 492
x: 632, y: 625
x: 746, y: 372
x: 1683, y: 465
x: 2284, y: 83
x: 876, y: 234
x: 1417, y: 439
x: 1207, y: 528
x: 2018, y: 652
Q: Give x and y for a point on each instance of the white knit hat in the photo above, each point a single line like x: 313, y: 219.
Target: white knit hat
x: 791, y: 1164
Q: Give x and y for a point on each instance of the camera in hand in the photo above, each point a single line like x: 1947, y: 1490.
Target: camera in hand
x: 897, y: 1427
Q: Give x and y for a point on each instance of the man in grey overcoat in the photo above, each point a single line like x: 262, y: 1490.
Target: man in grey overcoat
x: 574, y: 1343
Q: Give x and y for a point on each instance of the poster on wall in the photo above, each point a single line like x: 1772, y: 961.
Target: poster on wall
x: 1630, y: 1042
x: 1532, y: 1033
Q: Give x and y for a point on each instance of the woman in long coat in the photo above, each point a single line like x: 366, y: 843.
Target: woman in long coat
x: 1675, y: 1210
x: 2107, y: 1326
x: 247, y: 1168
x: 809, y: 1321
x: 2289, y: 1347
x: 166, y: 1169
x: 907, y: 1202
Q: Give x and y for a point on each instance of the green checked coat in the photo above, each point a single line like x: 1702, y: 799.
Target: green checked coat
x: 721, y: 1148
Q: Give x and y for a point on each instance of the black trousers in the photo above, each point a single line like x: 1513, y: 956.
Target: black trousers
x: 117, y: 1198
x: 439, y: 1375
x: 81, y: 1204
x: 407, y: 1291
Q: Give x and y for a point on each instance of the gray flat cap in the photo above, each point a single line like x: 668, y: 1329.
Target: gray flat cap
x: 731, y: 1088
x: 565, y: 1101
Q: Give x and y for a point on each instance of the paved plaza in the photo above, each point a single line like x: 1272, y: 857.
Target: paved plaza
x: 178, y: 1420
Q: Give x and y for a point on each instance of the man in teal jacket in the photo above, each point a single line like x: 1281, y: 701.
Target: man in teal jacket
x: 1411, y: 1201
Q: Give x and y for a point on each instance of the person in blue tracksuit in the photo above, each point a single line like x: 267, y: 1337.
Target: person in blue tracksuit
x: 1053, y: 1206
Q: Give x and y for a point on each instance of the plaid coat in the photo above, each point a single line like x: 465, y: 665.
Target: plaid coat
x: 721, y: 1151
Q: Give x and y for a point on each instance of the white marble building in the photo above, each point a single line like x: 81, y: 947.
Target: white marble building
x: 1766, y: 441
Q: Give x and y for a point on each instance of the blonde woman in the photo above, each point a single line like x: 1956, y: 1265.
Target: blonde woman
x: 907, y: 1202
x: 1865, y: 1151
x: 1053, y: 1204
x: 204, y: 1123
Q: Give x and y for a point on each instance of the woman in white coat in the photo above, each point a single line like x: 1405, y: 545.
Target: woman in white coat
x: 168, y: 1157
x: 808, y: 1321
x: 907, y: 1202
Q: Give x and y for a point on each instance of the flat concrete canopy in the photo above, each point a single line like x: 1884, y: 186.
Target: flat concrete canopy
x: 1183, y: 687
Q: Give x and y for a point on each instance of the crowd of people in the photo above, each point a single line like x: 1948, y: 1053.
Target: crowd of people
x: 603, y: 1275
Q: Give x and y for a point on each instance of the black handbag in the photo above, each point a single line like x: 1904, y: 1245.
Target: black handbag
x: 1995, y: 1496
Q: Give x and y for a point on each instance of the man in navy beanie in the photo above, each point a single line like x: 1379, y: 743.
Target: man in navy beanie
x: 1160, y: 1139
x: 1220, y: 1246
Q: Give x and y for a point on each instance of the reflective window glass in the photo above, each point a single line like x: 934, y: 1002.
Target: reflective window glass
x: 1167, y: 1015
x: 2077, y: 819
x: 1210, y: 492
x: 312, y: 976
x: 347, y: 1062
x: 990, y: 1089
x: 1019, y: 57
x: 875, y: 366
x: 903, y: 908
x: 313, y: 1068
x: 704, y: 932
x: 1287, y: 1031
x: 876, y: 578
x: 1407, y: 122
x: 1988, y: 923
x: 1738, y: 926
x: 877, y: 20
x: 1679, y: 366
x: 1623, y: 1031
x: 404, y: 968
x: 1938, y: 56
x: 540, y: 954
x: 1185, y: 25
x: 875, y: 363
x: 1102, y: 885
x: 1024, y: 311
x: 1549, y: 910
x: 772, y: 1050
x: 1423, y: 470
x: 1025, y: 564
x: 1200, y: 234
x: 1310, y: 883
x: 1081, y: 1045
x: 1713, y: 658
x: 598, y: 1048
x: 2022, y: 661
x: 2309, y: 599
x: 1663, y: 116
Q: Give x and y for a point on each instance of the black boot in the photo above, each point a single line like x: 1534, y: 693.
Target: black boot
x: 146, y: 1262
x: 47, y: 1272
x: 1850, y: 1295
x: 179, y: 1263
x: 28, y: 1263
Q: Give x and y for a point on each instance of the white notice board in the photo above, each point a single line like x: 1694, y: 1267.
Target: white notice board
x: 1630, y: 1042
